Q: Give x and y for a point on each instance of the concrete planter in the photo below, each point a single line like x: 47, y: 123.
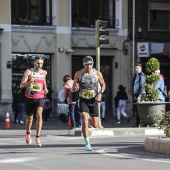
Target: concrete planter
x: 148, y: 111
x: 158, y: 145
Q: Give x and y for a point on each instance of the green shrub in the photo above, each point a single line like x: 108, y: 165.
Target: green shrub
x: 151, y: 79
x: 164, y: 123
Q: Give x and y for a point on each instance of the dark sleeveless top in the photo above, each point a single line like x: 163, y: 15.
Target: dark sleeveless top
x: 88, y: 84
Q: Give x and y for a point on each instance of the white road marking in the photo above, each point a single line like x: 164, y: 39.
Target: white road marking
x: 64, y: 137
x: 22, y: 161
x: 16, y: 160
x: 117, y: 154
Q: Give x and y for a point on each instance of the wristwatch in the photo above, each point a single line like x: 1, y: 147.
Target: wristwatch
x: 101, y: 92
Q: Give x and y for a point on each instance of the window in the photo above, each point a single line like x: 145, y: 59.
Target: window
x: 160, y: 15
x: 31, y: 12
x: 86, y: 12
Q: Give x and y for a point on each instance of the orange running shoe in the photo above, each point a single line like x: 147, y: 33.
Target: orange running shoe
x: 38, y: 142
x: 28, y: 139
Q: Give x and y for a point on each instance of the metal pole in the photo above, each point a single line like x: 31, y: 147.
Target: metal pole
x: 98, y: 68
x: 133, y: 39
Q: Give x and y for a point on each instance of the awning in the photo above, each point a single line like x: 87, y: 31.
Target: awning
x: 162, y: 49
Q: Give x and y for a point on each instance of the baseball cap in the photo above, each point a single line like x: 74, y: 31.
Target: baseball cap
x: 87, y: 58
x: 157, y: 71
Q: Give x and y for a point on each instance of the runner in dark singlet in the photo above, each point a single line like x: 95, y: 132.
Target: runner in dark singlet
x: 88, y: 80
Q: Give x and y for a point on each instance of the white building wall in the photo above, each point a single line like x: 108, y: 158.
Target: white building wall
x: 49, y: 39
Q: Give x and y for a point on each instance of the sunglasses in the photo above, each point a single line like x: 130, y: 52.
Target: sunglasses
x: 88, y: 64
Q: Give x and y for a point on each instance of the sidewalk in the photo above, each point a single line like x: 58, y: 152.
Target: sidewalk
x: 109, y: 128
x: 123, y: 129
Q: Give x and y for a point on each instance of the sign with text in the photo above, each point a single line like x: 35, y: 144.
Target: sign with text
x: 143, y: 49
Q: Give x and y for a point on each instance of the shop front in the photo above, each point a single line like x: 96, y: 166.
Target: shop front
x: 159, y: 50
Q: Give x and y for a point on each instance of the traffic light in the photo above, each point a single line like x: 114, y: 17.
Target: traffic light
x: 100, y: 33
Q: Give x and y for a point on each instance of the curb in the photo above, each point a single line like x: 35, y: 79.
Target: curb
x: 118, y: 132
x: 157, y: 145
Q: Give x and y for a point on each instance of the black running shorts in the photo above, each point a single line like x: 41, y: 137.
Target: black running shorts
x: 31, y: 105
x: 89, y: 106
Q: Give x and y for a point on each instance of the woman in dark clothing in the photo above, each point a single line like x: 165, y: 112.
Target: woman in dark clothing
x: 121, y: 97
x: 21, y: 106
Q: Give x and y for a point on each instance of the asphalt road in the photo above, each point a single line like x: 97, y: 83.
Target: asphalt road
x: 60, y: 151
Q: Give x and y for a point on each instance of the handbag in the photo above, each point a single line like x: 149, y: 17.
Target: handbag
x: 74, y: 95
x: 65, y: 101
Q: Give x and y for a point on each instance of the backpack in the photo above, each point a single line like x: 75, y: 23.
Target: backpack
x: 165, y: 93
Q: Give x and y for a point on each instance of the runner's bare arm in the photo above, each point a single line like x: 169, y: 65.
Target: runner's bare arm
x: 103, y: 86
x: 101, y: 81
x: 45, y: 83
x: 24, y: 82
x: 76, y: 81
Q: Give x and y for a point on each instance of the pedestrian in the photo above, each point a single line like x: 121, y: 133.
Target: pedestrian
x: 121, y: 97
x: 103, y: 106
x: 73, y: 105
x: 34, y: 80
x: 21, y: 105
x: 49, y: 94
x: 159, y: 86
x: 15, y: 104
x: 46, y: 108
x: 139, y: 89
x: 87, y: 81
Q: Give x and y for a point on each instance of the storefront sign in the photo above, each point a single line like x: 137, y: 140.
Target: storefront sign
x: 143, y: 49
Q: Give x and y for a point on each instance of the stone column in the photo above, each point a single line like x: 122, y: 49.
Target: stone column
x: 61, y: 61
x: 5, y: 56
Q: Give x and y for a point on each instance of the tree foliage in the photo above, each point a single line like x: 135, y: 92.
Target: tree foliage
x: 151, y: 79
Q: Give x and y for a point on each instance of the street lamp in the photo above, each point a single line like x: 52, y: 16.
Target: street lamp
x: 133, y: 39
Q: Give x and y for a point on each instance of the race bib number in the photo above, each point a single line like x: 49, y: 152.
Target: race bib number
x: 35, y: 87
x: 88, y: 93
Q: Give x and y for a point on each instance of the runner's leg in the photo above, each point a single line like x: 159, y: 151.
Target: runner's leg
x: 39, y: 120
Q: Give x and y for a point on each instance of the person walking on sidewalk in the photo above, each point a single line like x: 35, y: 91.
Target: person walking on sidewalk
x: 138, y: 81
x: 121, y: 97
x: 88, y: 80
x: 34, y: 80
x: 103, y: 106
x: 21, y: 106
x: 73, y: 105
x: 46, y: 108
x: 160, y: 85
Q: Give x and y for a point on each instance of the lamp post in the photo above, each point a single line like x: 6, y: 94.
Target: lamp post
x: 133, y: 39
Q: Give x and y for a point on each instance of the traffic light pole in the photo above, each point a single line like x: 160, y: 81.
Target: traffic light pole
x: 100, y: 32
x: 98, y: 68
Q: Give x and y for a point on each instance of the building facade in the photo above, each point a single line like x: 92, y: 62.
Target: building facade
x: 152, y: 30
x: 63, y: 31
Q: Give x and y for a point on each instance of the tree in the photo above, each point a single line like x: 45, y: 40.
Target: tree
x: 151, y: 79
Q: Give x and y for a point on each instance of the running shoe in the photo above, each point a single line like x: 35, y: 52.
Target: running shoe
x: 118, y: 122
x: 37, y: 142
x: 21, y: 122
x: 88, y: 147
x: 128, y: 119
x: 28, y: 139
